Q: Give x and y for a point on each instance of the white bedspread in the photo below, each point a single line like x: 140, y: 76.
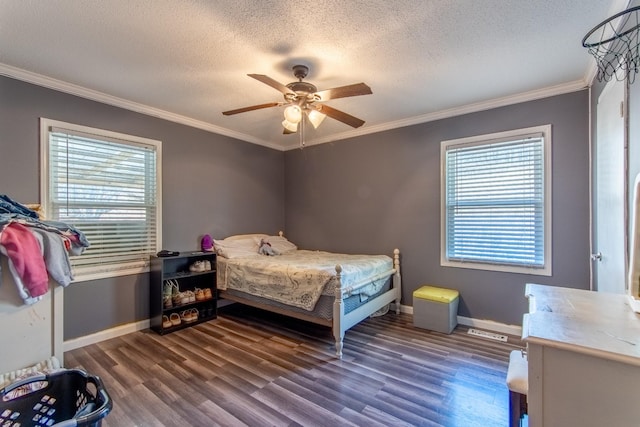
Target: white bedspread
x: 298, y: 278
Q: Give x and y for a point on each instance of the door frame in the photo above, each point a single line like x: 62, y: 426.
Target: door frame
x: 593, y: 130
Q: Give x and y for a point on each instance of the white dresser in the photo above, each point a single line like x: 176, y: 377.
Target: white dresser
x: 28, y: 333
x: 584, y: 358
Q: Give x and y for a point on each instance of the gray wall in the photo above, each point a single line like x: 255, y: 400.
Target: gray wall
x: 376, y: 192
x: 369, y: 194
x: 211, y: 184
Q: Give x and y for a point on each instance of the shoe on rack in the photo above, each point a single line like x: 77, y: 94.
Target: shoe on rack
x: 175, y: 319
x: 173, y: 291
x: 197, y: 267
x: 167, y: 288
x: 187, y: 298
x: 168, y: 302
x: 178, y: 299
x: 207, y: 293
x: 207, y: 265
x: 187, y: 316
x: 199, y: 294
x: 166, y: 323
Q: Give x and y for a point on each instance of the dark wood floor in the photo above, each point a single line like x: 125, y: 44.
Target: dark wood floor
x: 249, y: 367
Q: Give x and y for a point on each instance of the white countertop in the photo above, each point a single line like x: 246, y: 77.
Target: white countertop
x: 598, y: 324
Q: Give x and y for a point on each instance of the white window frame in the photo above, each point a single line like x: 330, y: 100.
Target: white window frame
x: 547, y: 233
x: 113, y: 269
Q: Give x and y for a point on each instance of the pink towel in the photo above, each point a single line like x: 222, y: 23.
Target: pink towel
x: 24, y: 252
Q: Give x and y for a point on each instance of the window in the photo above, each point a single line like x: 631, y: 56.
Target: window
x: 107, y: 185
x: 496, y: 202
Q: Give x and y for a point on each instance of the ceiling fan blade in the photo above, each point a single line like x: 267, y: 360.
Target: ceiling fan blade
x: 253, y: 107
x: 273, y: 83
x: 341, y: 116
x: 344, y: 91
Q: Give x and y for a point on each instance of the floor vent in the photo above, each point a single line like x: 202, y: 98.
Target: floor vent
x: 489, y: 335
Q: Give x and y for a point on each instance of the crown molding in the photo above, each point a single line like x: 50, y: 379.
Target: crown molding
x: 72, y: 89
x: 456, y: 111
x: 93, y: 95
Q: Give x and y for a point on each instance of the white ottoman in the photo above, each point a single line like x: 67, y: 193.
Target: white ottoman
x: 435, y: 308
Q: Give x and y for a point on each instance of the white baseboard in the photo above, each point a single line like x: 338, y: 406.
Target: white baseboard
x: 105, y: 335
x: 487, y: 325
x: 144, y: 324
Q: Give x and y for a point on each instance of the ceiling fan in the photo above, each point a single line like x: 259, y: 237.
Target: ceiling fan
x: 304, y: 99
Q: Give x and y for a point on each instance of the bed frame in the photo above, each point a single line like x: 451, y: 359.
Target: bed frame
x: 342, y: 321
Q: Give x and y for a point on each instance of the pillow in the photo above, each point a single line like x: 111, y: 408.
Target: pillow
x: 280, y: 244
x: 236, y: 247
x: 247, y: 237
x: 231, y: 253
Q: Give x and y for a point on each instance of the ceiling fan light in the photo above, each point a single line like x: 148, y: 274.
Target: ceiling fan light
x: 316, y: 117
x: 293, y: 114
x: 291, y: 127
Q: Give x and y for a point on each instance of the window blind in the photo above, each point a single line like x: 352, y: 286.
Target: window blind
x: 495, y: 202
x: 108, y: 189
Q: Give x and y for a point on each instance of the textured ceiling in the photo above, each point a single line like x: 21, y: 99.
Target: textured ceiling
x: 188, y: 60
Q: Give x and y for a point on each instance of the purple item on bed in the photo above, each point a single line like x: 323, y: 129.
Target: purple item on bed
x: 207, y: 243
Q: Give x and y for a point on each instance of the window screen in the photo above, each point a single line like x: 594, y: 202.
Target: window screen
x: 106, y: 185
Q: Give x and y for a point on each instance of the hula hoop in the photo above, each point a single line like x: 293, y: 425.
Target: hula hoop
x: 605, y: 22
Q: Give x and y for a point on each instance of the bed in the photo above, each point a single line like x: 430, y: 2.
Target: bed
x: 330, y: 289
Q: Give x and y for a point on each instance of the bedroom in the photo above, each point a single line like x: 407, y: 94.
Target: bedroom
x: 222, y: 182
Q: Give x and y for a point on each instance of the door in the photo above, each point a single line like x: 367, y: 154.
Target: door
x: 609, y: 254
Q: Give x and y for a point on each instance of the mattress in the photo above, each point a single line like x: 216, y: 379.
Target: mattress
x: 299, y: 278
x: 323, y: 308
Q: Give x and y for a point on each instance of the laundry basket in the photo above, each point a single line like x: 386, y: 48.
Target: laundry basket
x: 65, y: 398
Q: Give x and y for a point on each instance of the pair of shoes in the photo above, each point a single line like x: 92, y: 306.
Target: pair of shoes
x: 188, y: 297
x: 170, y: 291
x: 189, y: 316
x: 169, y: 287
x: 199, y: 294
x: 207, y: 265
x: 167, y: 301
x: 207, y: 293
x: 175, y: 319
x: 177, y: 299
x: 184, y: 298
x: 197, y: 267
x: 209, y: 310
x: 166, y: 322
